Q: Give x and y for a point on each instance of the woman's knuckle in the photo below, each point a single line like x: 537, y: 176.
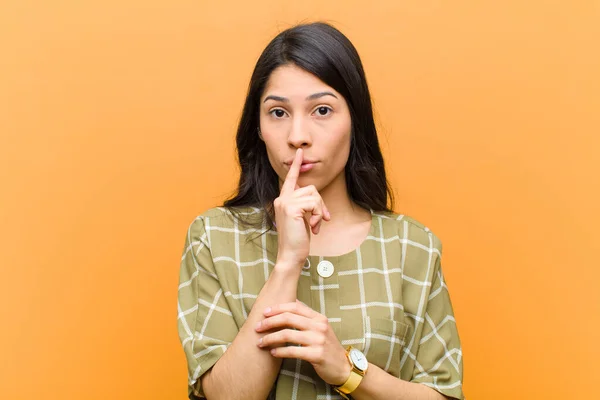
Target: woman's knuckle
x: 322, y: 327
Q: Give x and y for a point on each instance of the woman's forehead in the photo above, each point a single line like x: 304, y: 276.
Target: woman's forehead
x: 294, y: 83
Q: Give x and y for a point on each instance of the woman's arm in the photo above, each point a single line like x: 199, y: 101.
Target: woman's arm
x: 245, y: 371
x: 438, y: 355
x: 320, y: 347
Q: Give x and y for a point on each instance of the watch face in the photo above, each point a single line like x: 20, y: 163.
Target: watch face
x: 359, y: 359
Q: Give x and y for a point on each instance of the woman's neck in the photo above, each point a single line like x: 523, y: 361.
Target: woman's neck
x: 349, y: 225
x: 342, y: 209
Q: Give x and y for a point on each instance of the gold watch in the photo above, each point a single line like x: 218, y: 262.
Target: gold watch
x: 359, y: 364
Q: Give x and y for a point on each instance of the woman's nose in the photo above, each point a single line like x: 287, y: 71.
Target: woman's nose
x: 299, y: 135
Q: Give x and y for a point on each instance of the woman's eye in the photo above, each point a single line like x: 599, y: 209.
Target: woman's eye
x: 323, y: 111
x: 278, y: 113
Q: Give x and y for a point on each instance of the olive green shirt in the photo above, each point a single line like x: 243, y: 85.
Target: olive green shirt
x: 388, y: 298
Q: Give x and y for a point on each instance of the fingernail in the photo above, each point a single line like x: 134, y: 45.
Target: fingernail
x: 258, y: 325
x: 260, y: 342
x: 267, y: 310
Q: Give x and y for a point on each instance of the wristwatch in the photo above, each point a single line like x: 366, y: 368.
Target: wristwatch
x: 359, y: 364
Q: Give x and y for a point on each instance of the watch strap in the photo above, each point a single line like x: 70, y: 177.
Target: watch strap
x: 351, y: 383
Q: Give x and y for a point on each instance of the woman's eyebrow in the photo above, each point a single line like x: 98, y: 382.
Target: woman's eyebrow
x: 311, y: 97
x: 277, y: 98
x: 319, y: 95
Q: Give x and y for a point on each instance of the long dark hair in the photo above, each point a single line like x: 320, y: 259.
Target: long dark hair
x: 325, y: 52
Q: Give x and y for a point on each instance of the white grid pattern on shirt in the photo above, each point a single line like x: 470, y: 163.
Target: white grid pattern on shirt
x: 241, y: 264
x: 210, y: 311
x: 182, y: 314
x: 447, y: 354
x: 421, y: 304
x: 296, y: 379
x: 420, y: 310
x: 388, y: 286
x: 237, y: 262
x: 372, y: 304
x: 361, y: 290
x: 198, y: 267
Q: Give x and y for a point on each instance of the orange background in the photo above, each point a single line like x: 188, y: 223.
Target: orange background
x: 117, y: 123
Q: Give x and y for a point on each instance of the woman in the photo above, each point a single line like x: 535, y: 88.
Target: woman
x: 305, y: 284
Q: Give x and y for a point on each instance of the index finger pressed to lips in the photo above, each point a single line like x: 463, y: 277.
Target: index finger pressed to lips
x: 289, y: 185
x: 296, y: 307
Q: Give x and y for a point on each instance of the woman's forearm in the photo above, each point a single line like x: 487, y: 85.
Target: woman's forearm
x: 245, y: 371
x: 378, y: 384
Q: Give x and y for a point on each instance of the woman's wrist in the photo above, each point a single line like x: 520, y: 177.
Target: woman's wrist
x: 286, y: 275
x: 288, y: 266
x: 346, y: 370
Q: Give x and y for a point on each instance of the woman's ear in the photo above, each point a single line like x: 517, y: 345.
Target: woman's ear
x: 259, y: 133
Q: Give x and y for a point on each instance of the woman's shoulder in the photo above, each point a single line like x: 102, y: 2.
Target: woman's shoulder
x: 227, y: 218
x: 229, y: 230
x: 229, y: 213
x: 408, y: 228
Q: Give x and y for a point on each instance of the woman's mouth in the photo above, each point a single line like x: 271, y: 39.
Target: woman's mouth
x: 307, y: 167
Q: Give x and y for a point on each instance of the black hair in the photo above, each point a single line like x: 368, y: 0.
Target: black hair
x: 325, y: 52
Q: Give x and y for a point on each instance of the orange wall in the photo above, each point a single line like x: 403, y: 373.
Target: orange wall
x: 117, y: 124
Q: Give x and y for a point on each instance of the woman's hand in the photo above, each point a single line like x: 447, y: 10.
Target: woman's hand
x: 318, y: 343
x: 296, y: 211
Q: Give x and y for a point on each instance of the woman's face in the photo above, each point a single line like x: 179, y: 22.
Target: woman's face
x: 299, y: 110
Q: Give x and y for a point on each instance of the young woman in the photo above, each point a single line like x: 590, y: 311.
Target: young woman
x: 305, y: 285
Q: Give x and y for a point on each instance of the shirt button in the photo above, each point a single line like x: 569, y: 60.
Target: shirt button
x: 325, y: 269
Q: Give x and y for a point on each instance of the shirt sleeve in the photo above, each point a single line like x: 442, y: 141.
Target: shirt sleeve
x: 439, y: 356
x: 205, y: 323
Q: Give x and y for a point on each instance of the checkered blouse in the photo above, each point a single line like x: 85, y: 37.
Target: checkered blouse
x: 388, y: 298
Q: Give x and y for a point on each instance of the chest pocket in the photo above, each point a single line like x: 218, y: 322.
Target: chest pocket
x: 384, y: 341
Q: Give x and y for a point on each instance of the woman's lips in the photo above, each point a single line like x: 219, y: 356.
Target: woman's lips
x: 305, y: 166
